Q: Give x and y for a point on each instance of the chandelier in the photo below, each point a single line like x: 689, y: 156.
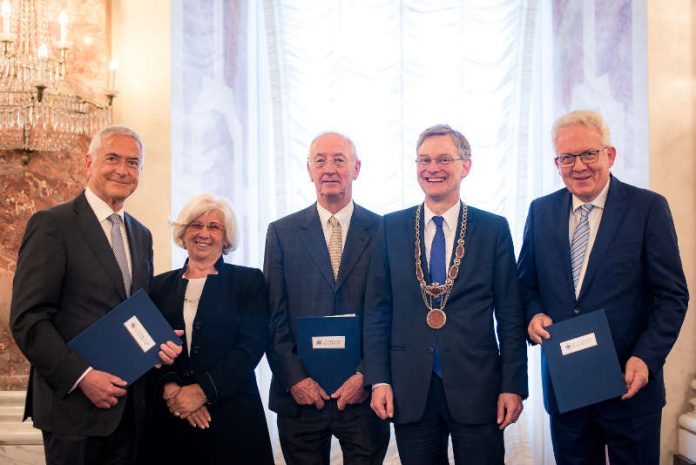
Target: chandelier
x: 38, y: 109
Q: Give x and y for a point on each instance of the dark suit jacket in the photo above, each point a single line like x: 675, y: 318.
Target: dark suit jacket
x: 300, y: 283
x: 398, y: 344
x: 634, y: 272
x: 67, y: 278
x: 229, y: 336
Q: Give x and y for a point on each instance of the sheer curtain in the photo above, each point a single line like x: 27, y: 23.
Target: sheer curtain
x: 254, y: 81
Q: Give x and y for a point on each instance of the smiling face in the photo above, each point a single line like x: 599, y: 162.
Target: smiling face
x: 441, y: 183
x: 115, y: 169
x: 332, y: 167
x: 204, y: 244
x: 586, y: 181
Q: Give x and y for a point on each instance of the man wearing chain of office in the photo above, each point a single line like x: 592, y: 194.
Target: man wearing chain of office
x: 442, y: 286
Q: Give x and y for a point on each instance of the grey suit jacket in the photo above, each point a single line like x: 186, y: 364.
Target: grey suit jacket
x: 300, y: 283
x: 67, y: 278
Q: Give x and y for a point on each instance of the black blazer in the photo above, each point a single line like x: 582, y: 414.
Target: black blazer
x: 300, y: 283
x: 67, y: 278
x: 479, y: 358
x: 634, y: 272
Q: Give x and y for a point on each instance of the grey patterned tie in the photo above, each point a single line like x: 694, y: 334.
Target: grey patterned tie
x: 120, y: 250
x: 578, y: 246
x: 335, y: 245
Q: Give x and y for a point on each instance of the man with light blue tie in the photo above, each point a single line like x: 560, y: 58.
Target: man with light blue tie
x: 444, y: 338
x: 600, y: 243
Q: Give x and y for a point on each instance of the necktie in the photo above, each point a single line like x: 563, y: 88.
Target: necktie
x: 578, y: 246
x: 120, y: 250
x: 335, y: 245
x: 438, y: 273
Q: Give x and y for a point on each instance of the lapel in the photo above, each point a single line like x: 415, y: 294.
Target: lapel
x: 471, y: 225
x: 359, y: 235
x: 96, y: 239
x: 612, y: 216
x: 315, y: 244
x: 558, y: 236
x: 137, y: 252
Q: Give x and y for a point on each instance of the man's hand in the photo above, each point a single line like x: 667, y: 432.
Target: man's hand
x: 200, y: 418
x: 102, y: 389
x: 308, y: 392
x: 169, y: 351
x: 382, y: 401
x: 636, y: 376
x: 351, y: 391
x: 186, y: 401
x: 509, y: 409
x: 536, y: 330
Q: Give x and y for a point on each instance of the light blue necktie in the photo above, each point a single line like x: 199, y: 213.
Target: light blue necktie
x: 120, y: 250
x: 438, y: 274
x: 578, y: 246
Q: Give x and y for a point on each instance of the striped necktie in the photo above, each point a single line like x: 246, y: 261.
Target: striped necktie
x: 120, y: 250
x: 578, y: 246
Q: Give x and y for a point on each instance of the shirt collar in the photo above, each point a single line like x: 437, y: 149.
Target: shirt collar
x: 451, y: 216
x: 99, y: 207
x: 598, y: 202
x: 343, y: 215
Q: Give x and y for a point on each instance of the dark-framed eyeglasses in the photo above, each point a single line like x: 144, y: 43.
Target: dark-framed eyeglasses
x: 197, y: 226
x: 443, y: 160
x: 588, y: 157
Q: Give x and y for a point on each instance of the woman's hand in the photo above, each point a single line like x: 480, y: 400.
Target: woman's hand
x: 187, y: 400
x: 200, y: 418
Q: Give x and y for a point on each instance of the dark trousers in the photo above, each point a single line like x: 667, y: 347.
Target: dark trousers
x: 425, y: 441
x: 579, y: 438
x: 116, y: 449
x: 306, y: 438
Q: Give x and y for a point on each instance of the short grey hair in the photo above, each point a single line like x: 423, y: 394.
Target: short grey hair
x: 462, y: 144
x: 98, y: 140
x: 351, y: 145
x: 587, y: 118
x: 199, y: 205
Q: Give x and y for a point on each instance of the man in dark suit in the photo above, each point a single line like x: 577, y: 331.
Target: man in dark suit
x: 77, y: 261
x: 600, y: 243
x: 430, y: 347
x: 316, y: 265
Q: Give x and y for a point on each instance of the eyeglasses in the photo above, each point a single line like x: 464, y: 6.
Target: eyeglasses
x: 588, y: 157
x: 197, y: 226
x: 439, y: 161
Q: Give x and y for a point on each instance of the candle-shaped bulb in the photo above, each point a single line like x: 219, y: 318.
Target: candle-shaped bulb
x: 43, y: 51
x: 43, y: 56
x: 63, y: 20
x: 113, y: 66
x: 6, y: 14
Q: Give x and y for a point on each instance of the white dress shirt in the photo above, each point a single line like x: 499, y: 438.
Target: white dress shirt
x: 449, y: 227
x: 343, y: 216
x: 594, y: 218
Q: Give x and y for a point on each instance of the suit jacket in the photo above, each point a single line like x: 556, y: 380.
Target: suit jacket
x: 399, y: 345
x: 634, y: 272
x: 229, y: 336
x: 67, y: 278
x: 300, y: 283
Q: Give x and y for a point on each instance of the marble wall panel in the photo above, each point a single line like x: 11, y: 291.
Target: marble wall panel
x: 49, y: 178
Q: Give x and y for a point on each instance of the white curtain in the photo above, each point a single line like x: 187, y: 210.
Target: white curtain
x: 254, y: 81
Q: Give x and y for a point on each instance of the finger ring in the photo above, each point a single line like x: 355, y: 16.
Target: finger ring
x: 177, y: 413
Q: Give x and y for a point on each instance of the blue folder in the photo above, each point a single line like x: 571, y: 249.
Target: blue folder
x: 582, y: 361
x: 329, y: 347
x: 125, y: 342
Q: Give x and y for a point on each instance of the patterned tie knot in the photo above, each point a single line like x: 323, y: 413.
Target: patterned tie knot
x: 115, y: 218
x: 333, y: 221
x: 585, y: 209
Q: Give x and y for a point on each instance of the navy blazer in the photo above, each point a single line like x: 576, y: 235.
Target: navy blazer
x: 67, y: 278
x: 476, y: 365
x: 300, y: 282
x: 634, y: 272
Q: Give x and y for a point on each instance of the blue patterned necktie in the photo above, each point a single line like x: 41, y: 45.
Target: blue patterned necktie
x: 578, y: 246
x: 438, y: 274
x: 120, y: 250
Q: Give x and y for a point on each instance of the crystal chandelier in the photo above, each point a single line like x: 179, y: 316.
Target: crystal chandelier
x: 38, y: 109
